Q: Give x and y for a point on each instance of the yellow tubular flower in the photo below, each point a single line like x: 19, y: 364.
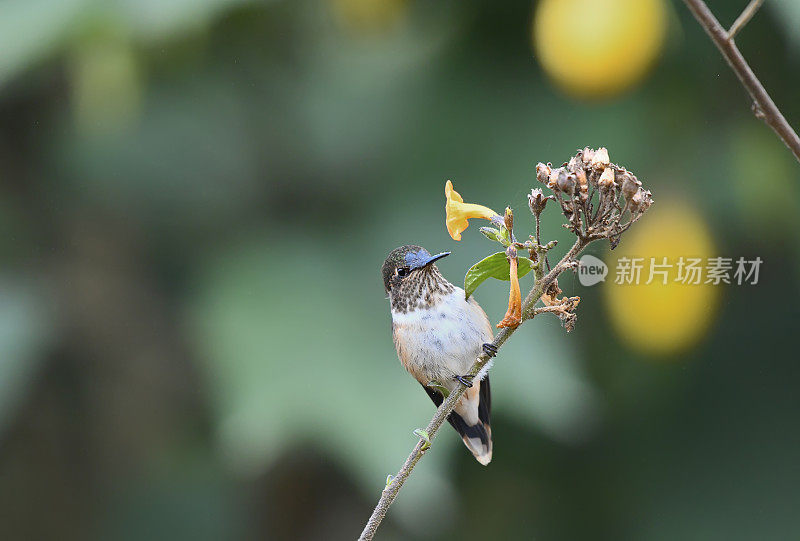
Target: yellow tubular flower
x: 458, y: 212
x: 514, y: 314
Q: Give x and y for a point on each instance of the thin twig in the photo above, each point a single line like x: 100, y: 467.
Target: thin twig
x: 556, y: 308
x: 744, y: 18
x: 393, y: 488
x: 562, y: 307
x: 763, y: 106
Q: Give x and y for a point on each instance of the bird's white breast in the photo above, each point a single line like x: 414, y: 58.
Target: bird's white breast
x: 443, y: 340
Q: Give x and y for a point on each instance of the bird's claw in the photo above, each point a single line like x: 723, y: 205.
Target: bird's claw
x: 466, y: 381
x: 489, y: 349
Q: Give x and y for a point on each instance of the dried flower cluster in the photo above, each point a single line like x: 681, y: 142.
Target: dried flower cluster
x: 599, y: 199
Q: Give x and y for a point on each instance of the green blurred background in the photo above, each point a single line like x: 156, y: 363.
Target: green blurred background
x: 196, y: 197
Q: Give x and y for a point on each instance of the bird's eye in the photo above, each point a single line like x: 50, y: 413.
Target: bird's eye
x: 402, y: 271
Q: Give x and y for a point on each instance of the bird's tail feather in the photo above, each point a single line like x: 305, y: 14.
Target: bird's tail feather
x: 478, y: 436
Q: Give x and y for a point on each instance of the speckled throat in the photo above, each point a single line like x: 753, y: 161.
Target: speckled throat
x: 423, y: 288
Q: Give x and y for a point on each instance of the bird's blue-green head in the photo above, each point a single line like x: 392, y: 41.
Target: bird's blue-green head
x: 405, y: 264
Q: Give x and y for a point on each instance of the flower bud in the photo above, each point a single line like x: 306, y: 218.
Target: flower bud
x: 509, y: 219
x: 587, y: 155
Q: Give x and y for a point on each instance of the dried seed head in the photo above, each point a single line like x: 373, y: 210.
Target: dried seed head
x: 630, y: 184
x: 566, y: 182
x: 604, y: 216
x: 637, y: 200
x: 600, y: 159
x: 575, y: 163
x: 552, y: 180
x: 542, y: 172
x: 606, y: 179
x: 647, y: 200
x: 537, y: 201
x: 582, y: 182
x: 587, y: 155
x: 568, y: 321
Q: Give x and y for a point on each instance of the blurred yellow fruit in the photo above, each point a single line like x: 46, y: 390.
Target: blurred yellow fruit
x: 658, y: 318
x: 598, y: 48
x: 369, y: 16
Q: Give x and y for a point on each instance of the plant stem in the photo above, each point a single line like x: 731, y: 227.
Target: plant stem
x: 763, y: 106
x: 744, y: 18
x: 393, y: 488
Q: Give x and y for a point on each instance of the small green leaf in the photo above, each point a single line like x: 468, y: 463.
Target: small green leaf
x: 505, y: 236
x: 434, y: 384
x: 491, y: 233
x: 423, y: 435
x: 494, y: 266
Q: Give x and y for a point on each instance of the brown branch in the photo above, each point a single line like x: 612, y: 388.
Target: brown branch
x: 393, y: 487
x: 763, y: 106
x: 744, y: 17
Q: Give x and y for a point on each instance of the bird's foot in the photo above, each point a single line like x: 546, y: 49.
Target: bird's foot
x: 466, y: 381
x: 489, y: 349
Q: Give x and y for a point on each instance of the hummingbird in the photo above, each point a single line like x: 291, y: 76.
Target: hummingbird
x: 438, y: 334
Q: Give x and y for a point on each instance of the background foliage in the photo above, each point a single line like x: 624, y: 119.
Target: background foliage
x: 197, y: 196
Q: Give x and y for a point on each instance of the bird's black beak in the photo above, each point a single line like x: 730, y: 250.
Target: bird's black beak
x: 424, y: 262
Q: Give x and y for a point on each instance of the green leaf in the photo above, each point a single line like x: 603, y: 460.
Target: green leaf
x: 424, y: 436
x: 433, y: 384
x: 491, y: 233
x: 494, y: 266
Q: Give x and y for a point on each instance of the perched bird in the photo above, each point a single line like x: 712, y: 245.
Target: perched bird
x: 438, y: 334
